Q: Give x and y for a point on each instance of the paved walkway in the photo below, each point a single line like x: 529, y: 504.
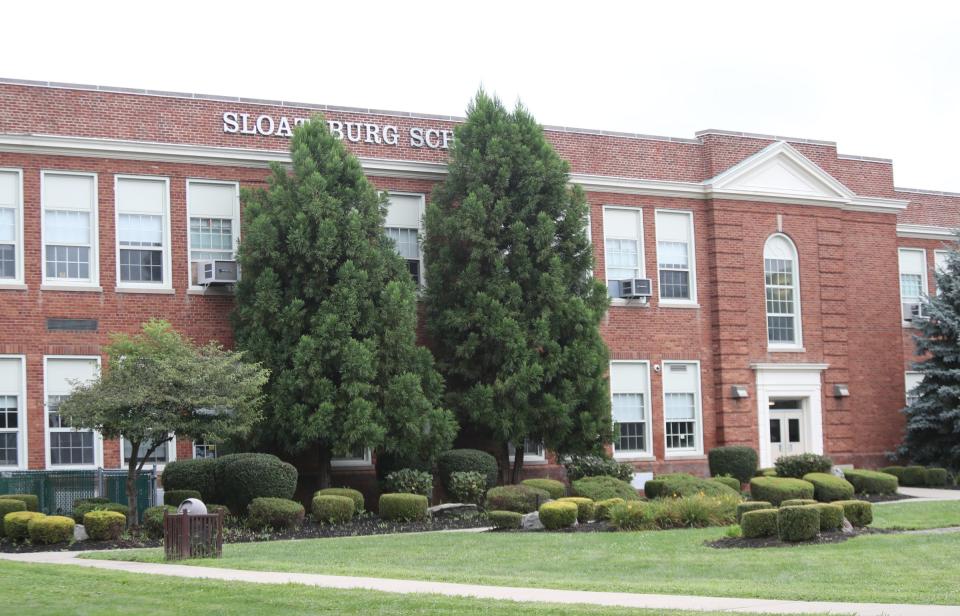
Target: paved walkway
x: 534, y: 595
x: 927, y: 494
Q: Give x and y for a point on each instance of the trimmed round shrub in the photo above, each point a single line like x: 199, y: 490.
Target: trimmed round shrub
x: 198, y: 474
x: 8, y: 505
x: 630, y: 515
x: 828, y: 487
x: 603, y: 487
x: 355, y: 495
x: 684, y: 484
x: 775, y: 490
x: 104, y: 525
x: 175, y: 497
x: 798, y: 523
x: 153, y: 520
x: 332, y: 509
x: 409, y: 481
x: 558, y: 514
x: 32, y: 501
x: 96, y: 500
x: 85, y: 507
x: 937, y: 477
x: 733, y: 460
x: 16, y: 524
x: 896, y: 471
x: 742, y: 508
x: 586, y: 508
x: 858, y: 513
x: 468, y: 486
x: 578, y: 467
x: 759, y: 523
x: 273, y: 512
x: 556, y: 489
x: 519, y: 498
x: 731, y: 482
x: 243, y: 477
x: 798, y: 502
x: 914, y: 477
x: 766, y: 472
x: 802, y: 464
x: 51, y: 529
x: 467, y: 460
x: 871, y: 482
x: 602, y: 508
x: 831, y: 516
x: 506, y: 519
x: 405, y: 507
x: 654, y: 488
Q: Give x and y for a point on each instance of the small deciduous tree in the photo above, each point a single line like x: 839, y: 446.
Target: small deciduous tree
x: 158, y: 385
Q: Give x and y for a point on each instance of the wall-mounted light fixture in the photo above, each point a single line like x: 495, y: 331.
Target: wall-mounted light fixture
x: 739, y: 391
x: 840, y: 390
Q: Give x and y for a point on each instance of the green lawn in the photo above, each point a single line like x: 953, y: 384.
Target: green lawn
x: 50, y: 589
x: 917, y: 515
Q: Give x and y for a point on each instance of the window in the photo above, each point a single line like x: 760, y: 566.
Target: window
x: 159, y: 457
x: 913, y: 281
x: 782, y: 286
x: 681, y: 406
x: 629, y: 387
x: 675, y: 257
x: 940, y: 264
x: 403, y: 226
x: 359, y: 456
x: 143, y: 250
x: 69, y: 228
x: 12, y: 420
x: 204, y: 450
x: 11, y: 227
x: 911, y: 380
x: 532, y: 450
x: 67, y: 446
x: 214, y: 222
x: 622, y: 245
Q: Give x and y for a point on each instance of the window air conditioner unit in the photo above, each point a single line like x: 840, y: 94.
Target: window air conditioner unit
x: 210, y: 273
x: 919, y: 312
x: 635, y: 288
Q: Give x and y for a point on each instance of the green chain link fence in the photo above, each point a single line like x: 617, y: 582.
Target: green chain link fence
x: 57, y: 490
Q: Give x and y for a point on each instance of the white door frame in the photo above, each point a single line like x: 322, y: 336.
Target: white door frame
x: 790, y: 381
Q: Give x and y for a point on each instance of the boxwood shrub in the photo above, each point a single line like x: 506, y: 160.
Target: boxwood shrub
x: 775, y: 490
x: 937, y: 477
x: 578, y: 467
x: 86, y: 506
x: 153, y: 520
x: 15, y: 524
x: 798, y: 523
x: 914, y: 477
x: 51, y: 529
x: 742, y: 508
x: 684, y: 484
x: 630, y: 515
x: 828, y: 487
x: 410, y: 481
x: 274, y: 512
x: 558, y: 514
x: 831, y: 516
x: 355, y: 495
x: 506, y: 519
x: 896, y: 471
x: 858, y: 513
x: 871, y: 482
x: 32, y: 501
x: 731, y: 482
x: 798, y: 502
x: 466, y: 460
x: 242, y: 477
x: 766, y: 472
x: 332, y: 509
x: 175, y: 497
x: 198, y: 474
x: 586, y: 508
x: 733, y: 460
x: 556, y: 489
x: 603, y: 487
x: 602, y: 509
x: 519, y: 498
x: 759, y: 523
x: 405, y: 507
x: 799, y: 465
x: 104, y: 525
x: 8, y: 505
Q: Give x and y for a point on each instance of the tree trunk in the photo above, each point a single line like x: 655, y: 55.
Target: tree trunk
x: 323, y: 479
x: 132, y: 515
x: 503, y: 463
x: 517, y: 464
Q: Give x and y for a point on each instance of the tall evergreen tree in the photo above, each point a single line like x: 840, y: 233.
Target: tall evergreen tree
x: 933, y: 418
x: 328, y: 305
x: 512, y: 309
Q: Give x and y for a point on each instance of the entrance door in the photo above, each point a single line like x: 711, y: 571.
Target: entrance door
x: 786, y: 428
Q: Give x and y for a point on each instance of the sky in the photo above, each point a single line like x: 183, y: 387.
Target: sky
x: 880, y: 79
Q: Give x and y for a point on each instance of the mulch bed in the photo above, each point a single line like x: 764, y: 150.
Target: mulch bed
x: 775, y: 542
x: 881, y: 498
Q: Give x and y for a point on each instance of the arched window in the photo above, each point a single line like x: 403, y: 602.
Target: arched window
x: 782, y: 286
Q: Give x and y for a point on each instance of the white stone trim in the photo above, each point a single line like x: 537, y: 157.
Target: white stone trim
x: 926, y: 232
x: 789, y: 380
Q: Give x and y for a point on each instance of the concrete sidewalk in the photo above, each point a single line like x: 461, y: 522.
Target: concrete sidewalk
x: 534, y: 595
x: 926, y: 494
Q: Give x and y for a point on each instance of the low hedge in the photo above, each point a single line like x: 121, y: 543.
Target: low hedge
x: 831, y: 516
x: 871, y: 482
x: 731, y: 482
x: 97, y: 500
x: 274, y: 512
x: 51, y: 529
x: 799, y: 502
x: 506, y: 519
x: 175, y: 497
x: 332, y: 509
x: 86, y: 506
x: 684, y: 484
x: 603, y: 487
x: 556, y: 489
x: 733, y: 460
x: 775, y: 490
x: 409, y: 481
x: 586, y: 508
x: 8, y: 505
x: 828, y: 488
x: 858, y: 513
x: 198, y: 474
x: 355, y: 495
x: 558, y: 514
x: 937, y: 478
x: 16, y: 524
x: 578, y: 467
x: 602, y: 508
x: 799, y: 465
x: 519, y: 498
x: 910, y: 476
x: 759, y: 523
x: 630, y: 515
x: 467, y: 460
x: 766, y: 472
x: 742, y: 508
x: 153, y: 520
x: 32, y: 501
x: 798, y: 523
x: 104, y: 525
x: 404, y: 507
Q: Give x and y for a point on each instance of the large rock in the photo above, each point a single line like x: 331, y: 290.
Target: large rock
x: 80, y: 533
x: 452, y: 510
x: 531, y: 521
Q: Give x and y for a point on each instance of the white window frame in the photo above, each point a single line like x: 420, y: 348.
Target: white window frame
x: 906, y: 384
x: 691, y: 257
x: 205, y: 444
x: 924, y: 288
x: 646, y: 454
x: 697, y: 450
x: 641, y: 252
x: 171, y: 449
x: 422, y: 208
x: 540, y: 458
x: 17, y: 282
x: 936, y: 267
x: 97, y: 438
x: 235, y: 226
x: 22, y: 431
x: 797, y: 344
x: 166, y: 285
x: 365, y: 462
x: 93, y: 284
